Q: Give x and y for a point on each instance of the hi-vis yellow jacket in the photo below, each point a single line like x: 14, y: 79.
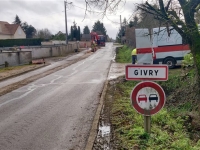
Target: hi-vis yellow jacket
x: 134, y: 52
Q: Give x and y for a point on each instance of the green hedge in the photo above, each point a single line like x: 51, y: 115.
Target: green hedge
x: 20, y: 42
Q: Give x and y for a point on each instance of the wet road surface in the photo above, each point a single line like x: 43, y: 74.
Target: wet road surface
x: 55, y: 112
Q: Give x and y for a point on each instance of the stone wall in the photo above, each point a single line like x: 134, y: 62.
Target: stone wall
x: 15, y: 58
x: 26, y: 54
x: 80, y: 44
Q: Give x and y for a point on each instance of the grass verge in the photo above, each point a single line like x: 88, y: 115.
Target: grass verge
x: 123, y: 55
x: 14, y: 68
x: 171, y: 128
x: 175, y: 127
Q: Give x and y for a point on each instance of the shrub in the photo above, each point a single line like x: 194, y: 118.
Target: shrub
x: 188, y: 60
x: 124, y: 55
x: 20, y: 42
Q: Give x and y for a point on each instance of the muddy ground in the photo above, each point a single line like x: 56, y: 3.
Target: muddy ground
x: 105, y: 137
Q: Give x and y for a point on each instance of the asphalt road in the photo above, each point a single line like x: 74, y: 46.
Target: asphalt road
x: 55, y: 112
x: 52, y: 65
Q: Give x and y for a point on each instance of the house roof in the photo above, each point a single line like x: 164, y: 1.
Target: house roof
x: 7, y: 28
x: 59, y: 32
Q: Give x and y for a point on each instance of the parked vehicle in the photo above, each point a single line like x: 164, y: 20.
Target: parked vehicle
x: 160, y: 47
x: 142, y: 97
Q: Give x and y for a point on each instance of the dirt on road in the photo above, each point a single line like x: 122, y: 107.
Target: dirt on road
x: 7, y: 73
x: 116, y: 70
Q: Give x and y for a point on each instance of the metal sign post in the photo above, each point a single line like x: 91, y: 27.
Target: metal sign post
x: 147, y: 124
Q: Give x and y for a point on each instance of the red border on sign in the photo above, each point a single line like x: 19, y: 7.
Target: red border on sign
x: 147, y: 66
x: 151, y: 84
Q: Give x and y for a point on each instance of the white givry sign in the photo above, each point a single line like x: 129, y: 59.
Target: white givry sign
x: 147, y: 72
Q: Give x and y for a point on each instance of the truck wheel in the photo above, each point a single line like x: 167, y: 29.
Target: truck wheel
x: 170, y: 62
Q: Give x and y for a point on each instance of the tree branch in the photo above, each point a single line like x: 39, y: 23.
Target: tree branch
x: 164, y: 16
x: 194, y: 4
x: 162, y: 8
x: 167, y: 7
x: 182, y: 2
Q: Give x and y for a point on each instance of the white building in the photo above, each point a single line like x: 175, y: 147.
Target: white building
x: 11, y: 31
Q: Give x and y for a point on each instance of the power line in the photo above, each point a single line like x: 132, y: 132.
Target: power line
x: 86, y: 10
x: 98, y: 13
x: 106, y: 15
x: 111, y: 20
x: 94, y: 11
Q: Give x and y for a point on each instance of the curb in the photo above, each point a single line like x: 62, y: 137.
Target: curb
x: 93, y: 131
x: 94, y: 128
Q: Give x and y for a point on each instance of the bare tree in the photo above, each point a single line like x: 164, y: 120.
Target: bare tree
x: 180, y: 14
x: 105, y: 6
x: 43, y: 33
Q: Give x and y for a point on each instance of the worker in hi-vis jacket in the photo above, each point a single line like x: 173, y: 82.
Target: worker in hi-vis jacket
x: 134, y: 56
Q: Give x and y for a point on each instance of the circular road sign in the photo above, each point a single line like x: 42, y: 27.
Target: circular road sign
x: 148, y: 98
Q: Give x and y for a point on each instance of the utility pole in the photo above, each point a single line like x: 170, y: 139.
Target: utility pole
x: 120, y: 29
x: 65, y: 2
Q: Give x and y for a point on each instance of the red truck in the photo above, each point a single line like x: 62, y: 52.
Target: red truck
x: 99, y: 39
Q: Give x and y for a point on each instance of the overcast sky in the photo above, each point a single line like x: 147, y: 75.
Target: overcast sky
x: 50, y: 14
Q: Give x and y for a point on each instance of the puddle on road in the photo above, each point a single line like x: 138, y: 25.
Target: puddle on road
x: 104, y: 130
x: 102, y: 141
x: 104, y: 137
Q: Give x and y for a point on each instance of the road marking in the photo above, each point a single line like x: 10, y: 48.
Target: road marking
x: 33, y: 87
x: 8, y: 101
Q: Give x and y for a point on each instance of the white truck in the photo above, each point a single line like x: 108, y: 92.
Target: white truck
x: 159, y: 48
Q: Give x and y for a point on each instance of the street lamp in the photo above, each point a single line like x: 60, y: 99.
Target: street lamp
x: 65, y: 4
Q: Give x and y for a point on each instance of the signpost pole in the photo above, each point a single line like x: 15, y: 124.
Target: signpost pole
x: 147, y: 124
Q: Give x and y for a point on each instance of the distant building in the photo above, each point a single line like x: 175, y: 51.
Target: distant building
x: 60, y: 33
x: 11, y: 31
x: 86, y: 37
